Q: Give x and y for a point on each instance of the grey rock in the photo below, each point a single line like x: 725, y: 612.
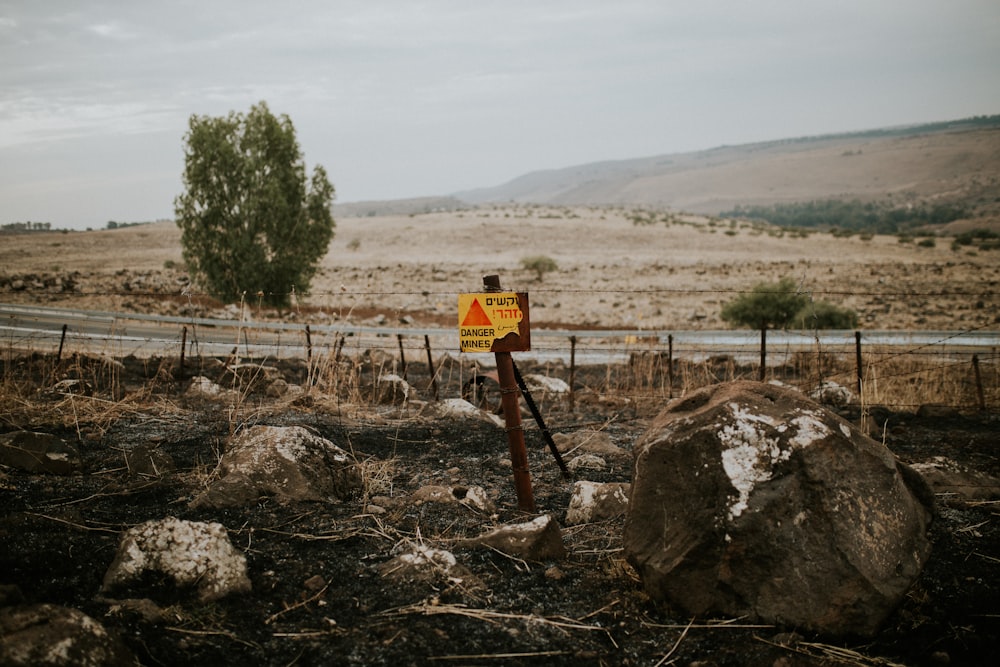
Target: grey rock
x: 751, y: 500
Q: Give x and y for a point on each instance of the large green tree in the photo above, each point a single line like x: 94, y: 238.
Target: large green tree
x: 249, y: 223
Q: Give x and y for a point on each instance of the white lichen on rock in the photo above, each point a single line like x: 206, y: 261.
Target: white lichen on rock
x: 191, y: 553
x: 749, y: 454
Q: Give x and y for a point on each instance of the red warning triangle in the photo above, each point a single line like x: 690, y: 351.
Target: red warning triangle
x: 476, y: 317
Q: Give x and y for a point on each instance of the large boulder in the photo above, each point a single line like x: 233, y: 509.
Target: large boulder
x: 751, y: 500
x: 286, y: 462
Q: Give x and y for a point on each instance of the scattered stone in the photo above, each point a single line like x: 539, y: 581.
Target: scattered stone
x: 543, y: 384
x: 36, y: 452
x: 277, y: 388
x: 537, y: 540
x: 314, y: 583
x: 383, y: 501
x: 191, y: 553
x: 433, y: 494
x: 594, y: 501
x: 593, y: 442
x: 458, y: 408
x: 948, y: 478
x: 831, y: 393
x: 47, y: 635
x: 425, y: 564
x: 377, y: 358
x: 202, y: 387
x: 393, y: 389
x: 587, y: 462
x: 473, y: 496
x: 73, y: 386
x: 143, y: 608
x: 751, y: 500
x: 148, y: 461
x: 287, y: 462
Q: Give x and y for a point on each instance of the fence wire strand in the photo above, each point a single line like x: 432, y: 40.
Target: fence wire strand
x: 887, y: 372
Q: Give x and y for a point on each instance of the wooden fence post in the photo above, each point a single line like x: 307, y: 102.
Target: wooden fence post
x: 670, y: 365
x: 430, y: 366
x: 979, y: 383
x: 572, y: 372
x: 857, y: 360
x: 184, y: 337
x: 763, y: 351
x: 402, y: 355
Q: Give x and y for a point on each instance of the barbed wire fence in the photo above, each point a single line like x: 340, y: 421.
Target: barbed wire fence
x: 902, y: 370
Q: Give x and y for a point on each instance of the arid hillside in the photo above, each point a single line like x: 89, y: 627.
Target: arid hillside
x: 953, y: 162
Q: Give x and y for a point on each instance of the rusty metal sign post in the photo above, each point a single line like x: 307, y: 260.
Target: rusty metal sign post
x: 498, y: 322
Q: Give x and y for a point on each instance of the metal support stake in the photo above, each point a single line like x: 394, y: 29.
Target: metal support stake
x: 509, y: 391
x: 62, y: 341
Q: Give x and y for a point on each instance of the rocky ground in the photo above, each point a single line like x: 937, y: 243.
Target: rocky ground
x: 320, y: 593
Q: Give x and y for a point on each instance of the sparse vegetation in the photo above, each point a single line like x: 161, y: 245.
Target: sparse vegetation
x: 539, y: 265
x: 881, y: 218
x: 983, y: 239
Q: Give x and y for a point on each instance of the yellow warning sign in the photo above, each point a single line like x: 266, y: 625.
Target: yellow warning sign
x: 493, y: 322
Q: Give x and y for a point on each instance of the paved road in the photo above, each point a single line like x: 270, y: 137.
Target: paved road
x: 120, y: 334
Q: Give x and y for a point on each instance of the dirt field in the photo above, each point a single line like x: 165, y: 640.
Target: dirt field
x: 612, y: 273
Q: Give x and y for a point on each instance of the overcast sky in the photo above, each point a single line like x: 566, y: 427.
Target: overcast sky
x: 402, y: 98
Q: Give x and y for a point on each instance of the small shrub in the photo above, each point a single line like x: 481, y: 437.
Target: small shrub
x: 540, y: 264
x: 825, y: 315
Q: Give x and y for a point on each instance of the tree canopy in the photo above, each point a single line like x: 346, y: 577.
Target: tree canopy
x: 250, y: 223
x: 781, y: 306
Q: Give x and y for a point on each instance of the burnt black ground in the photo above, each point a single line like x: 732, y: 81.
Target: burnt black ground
x: 59, y: 534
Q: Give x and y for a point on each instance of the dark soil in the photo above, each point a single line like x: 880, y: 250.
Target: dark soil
x: 59, y: 534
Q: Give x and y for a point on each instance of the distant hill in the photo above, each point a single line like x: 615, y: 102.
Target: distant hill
x: 953, y: 162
